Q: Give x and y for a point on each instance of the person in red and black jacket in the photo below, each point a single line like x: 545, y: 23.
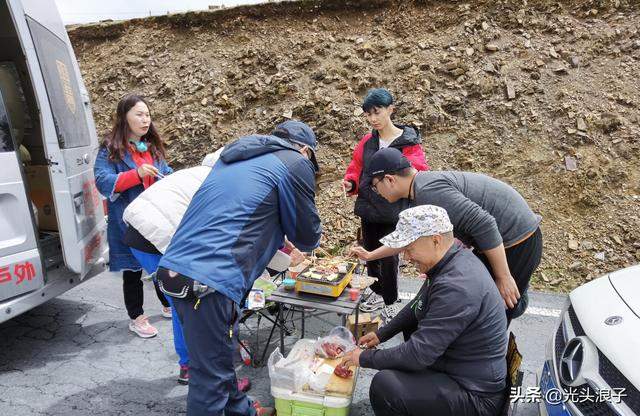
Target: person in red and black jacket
x: 378, y: 217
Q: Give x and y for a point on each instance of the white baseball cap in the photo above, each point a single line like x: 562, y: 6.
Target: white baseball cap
x: 420, y: 221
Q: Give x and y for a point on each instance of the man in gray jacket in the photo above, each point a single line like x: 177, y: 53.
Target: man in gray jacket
x: 487, y: 214
x: 453, y: 360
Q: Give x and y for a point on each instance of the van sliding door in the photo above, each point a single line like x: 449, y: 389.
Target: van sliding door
x: 20, y: 265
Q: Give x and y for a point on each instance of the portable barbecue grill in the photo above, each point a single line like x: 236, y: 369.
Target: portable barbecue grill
x: 318, y: 283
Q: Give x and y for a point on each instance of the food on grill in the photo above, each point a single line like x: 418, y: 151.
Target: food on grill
x: 327, y: 270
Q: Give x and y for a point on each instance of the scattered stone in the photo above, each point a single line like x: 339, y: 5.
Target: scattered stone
x: 491, y: 47
x: 553, y: 53
x: 204, y: 101
x: 485, y: 25
x: 469, y: 51
x: 489, y: 67
x: 358, y: 112
x: 573, y: 245
x: 618, y: 240
x: 574, y: 61
x: 587, y: 245
x: 288, y: 114
x: 540, y: 62
x: 582, y: 126
x: 575, y: 266
x: 451, y: 65
x: 599, y: 256
x: 559, y: 69
x: 570, y: 163
x: 511, y: 90
x: 527, y: 43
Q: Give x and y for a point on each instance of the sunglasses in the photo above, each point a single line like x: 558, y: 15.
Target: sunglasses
x: 374, y: 186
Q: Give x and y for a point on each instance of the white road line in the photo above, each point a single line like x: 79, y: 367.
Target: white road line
x: 531, y: 310
x: 406, y: 295
x: 534, y: 310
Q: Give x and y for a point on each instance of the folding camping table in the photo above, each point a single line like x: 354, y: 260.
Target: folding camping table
x: 341, y: 305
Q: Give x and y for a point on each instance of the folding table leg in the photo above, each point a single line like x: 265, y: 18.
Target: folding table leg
x: 281, y: 322
x: 266, y: 347
x: 357, y: 319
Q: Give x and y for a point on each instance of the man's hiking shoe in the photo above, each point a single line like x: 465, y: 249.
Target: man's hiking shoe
x: 263, y: 411
x: 244, y: 384
x: 183, y: 377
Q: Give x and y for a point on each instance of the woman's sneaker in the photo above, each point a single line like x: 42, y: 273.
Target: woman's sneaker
x: 183, y: 376
x: 373, y: 303
x: 166, y: 312
x: 142, y: 327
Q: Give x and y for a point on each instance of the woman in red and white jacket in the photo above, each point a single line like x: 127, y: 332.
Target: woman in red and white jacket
x: 378, y: 217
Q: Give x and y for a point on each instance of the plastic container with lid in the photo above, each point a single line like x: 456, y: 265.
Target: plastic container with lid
x: 288, y: 403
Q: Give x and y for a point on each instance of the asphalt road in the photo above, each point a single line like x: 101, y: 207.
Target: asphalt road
x: 76, y: 356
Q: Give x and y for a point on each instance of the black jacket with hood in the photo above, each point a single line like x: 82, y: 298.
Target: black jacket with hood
x: 369, y: 205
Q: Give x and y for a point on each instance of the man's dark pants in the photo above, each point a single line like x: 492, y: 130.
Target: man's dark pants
x: 386, y: 269
x: 213, y: 389
x: 523, y: 259
x: 428, y: 393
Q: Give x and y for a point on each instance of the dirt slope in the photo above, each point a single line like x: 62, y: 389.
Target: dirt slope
x: 544, y: 95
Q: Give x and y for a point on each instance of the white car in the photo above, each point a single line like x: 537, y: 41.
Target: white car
x: 592, y: 365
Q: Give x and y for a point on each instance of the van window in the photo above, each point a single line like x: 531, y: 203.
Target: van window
x: 6, y: 141
x: 62, y: 87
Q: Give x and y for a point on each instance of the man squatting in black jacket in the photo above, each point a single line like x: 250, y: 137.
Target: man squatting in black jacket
x: 453, y: 360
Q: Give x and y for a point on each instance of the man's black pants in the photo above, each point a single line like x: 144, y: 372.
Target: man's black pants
x: 428, y: 393
x: 386, y: 269
x: 523, y: 259
x: 213, y: 389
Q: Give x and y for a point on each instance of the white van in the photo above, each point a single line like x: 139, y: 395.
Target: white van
x: 52, y: 224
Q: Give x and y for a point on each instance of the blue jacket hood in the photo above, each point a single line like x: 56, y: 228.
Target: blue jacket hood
x: 248, y: 147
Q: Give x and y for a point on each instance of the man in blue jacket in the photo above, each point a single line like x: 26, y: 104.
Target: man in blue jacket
x: 261, y: 189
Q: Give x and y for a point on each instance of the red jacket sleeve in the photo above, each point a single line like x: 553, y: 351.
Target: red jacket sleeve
x: 416, y: 157
x: 127, y: 180
x: 355, y: 166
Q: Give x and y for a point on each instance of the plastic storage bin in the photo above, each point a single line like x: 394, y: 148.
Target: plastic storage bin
x: 288, y: 403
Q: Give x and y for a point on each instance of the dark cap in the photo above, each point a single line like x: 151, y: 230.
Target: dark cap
x: 388, y: 160
x: 300, y: 133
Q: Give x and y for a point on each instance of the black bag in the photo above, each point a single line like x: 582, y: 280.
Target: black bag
x: 175, y: 284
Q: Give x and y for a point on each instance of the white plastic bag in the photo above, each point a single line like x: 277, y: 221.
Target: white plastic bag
x: 336, y: 343
x: 293, y: 372
x: 318, y: 382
